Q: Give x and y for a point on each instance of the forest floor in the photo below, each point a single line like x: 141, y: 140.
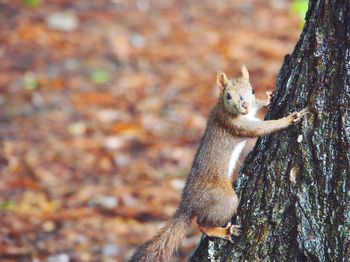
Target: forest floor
x: 102, y: 106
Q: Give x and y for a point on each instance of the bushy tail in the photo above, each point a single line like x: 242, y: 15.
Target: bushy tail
x: 162, y: 246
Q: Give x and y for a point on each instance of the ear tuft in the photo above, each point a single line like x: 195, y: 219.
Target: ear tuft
x: 221, y: 80
x: 245, y: 73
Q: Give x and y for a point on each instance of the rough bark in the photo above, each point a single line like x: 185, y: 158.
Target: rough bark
x: 294, y: 185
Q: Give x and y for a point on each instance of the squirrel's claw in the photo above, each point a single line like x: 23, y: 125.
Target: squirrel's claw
x: 228, y: 225
x: 269, y: 96
x: 229, y: 238
x: 298, y: 116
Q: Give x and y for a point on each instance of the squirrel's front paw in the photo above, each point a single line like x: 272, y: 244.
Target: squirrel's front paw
x: 298, y: 116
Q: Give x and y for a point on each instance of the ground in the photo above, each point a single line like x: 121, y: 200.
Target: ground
x: 102, y: 106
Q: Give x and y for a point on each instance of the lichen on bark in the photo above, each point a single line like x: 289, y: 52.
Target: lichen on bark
x: 294, y: 185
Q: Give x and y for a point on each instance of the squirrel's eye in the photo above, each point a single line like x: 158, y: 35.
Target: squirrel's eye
x: 240, y: 97
x: 253, y: 91
x: 228, y: 96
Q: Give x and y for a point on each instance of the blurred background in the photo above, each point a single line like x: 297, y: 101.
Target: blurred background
x: 102, y: 106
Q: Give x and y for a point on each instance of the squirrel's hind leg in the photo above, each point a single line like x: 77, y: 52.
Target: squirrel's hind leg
x: 221, y: 232
x: 218, y: 210
x: 234, y: 229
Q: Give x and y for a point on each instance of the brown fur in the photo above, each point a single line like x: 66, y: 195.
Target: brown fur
x: 208, y: 195
x: 162, y: 246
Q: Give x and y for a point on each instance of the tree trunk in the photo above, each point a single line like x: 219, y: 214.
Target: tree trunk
x: 294, y: 185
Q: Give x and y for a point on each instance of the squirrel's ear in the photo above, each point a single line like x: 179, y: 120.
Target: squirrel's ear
x: 245, y: 73
x: 221, y: 80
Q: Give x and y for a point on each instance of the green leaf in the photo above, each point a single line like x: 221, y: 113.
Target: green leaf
x: 300, y: 7
x: 100, y: 76
x: 7, y: 205
x: 30, y: 81
x: 32, y: 2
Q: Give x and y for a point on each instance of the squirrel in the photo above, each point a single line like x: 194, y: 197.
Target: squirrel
x: 208, y: 195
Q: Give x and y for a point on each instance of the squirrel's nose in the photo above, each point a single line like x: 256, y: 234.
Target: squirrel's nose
x: 245, y: 105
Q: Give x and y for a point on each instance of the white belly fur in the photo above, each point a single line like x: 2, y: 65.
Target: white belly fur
x: 239, y: 147
x: 234, y: 157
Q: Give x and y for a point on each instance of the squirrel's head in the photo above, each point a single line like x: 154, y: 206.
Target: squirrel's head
x: 237, y: 95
